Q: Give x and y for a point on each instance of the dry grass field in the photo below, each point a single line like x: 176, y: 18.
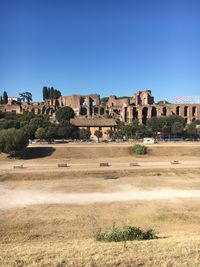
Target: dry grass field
x: 49, y: 215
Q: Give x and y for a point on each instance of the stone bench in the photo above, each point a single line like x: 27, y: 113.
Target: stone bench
x: 132, y: 164
x: 175, y: 162
x: 64, y: 164
x: 104, y: 164
x: 18, y: 166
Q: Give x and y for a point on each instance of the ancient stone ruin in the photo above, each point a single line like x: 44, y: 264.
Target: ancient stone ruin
x: 140, y: 106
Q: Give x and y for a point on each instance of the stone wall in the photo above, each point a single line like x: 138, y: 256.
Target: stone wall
x: 141, y: 106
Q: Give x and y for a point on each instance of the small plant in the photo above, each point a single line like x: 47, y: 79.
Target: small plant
x: 126, y: 233
x: 139, y: 149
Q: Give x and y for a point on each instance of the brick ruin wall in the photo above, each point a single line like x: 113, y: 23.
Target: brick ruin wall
x: 141, y: 106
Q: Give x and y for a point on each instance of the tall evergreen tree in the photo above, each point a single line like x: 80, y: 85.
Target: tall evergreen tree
x: 5, y: 97
x: 1, y: 100
x: 45, y: 93
x: 48, y: 93
x: 51, y: 95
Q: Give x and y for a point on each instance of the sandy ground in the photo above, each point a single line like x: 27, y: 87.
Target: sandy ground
x: 49, y: 215
x: 11, y: 198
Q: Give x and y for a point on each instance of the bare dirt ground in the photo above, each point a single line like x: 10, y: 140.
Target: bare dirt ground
x: 49, y: 215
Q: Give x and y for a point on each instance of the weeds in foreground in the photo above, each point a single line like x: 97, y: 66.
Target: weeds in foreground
x: 127, y: 233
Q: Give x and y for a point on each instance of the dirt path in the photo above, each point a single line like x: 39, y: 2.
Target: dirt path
x: 12, y: 198
x: 52, y: 166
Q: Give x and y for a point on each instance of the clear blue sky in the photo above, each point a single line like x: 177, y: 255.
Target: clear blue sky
x: 100, y: 46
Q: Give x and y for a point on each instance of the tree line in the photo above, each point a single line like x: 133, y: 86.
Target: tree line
x: 163, y: 127
x: 17, y: 129
x: 50, y: 93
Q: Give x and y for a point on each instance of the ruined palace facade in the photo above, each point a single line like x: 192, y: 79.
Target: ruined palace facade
x: 140, y: 106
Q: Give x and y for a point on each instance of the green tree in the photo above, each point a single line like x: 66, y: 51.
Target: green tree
x: 169, y: 121
x: 84, y: 133
x: 48, y: 93
x: 110, y: 133
x: 64, y: 132
x: 5, y: 97
x: 144, y: 131
x: 39, y: 122
x: 52, y: 95
x: 192, y: 130
x: 51, y: 132
x: 1, y: 100
x: 28, y: 130
x: 155, y: 124
x: 12, y: 141
x: 26, y: 96
x: 177, y: 128
x: 45, y: 93
x: 98, y: 134
x: 40, y: 133
x: 65, y: 113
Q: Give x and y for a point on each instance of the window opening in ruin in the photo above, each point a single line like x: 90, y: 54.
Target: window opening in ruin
x: 185, y: 111
x: 144, y: 115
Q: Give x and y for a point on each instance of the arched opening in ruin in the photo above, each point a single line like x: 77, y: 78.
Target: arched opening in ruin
x: 144, y: 115
x: 164, y: 112
x: 185, y: 111
x: 43, y: 110
x: 96, y: 111
x: 125, y: 114
x: 56, y: 103
x: 48, y: 110
x: 83, y: 102
x: 194, y: 111
x: 153, y: 112
x: 33, y: 110
x: 135, y: 113
x: 102, y: 111
x: 92, y: 102
x: 178, y: 110
x: 186, y: 120
x: 83, y: 111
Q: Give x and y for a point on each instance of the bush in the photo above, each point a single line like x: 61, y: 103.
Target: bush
x: 139, y: 149
x: 12, y: 141
x: 126, y: 233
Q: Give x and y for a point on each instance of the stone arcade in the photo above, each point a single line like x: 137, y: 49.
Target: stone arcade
x: 141, y: 106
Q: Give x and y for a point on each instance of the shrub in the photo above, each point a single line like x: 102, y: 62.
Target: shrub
x: 139, y: 149
x: 12, y: 141
x: 126, y: 233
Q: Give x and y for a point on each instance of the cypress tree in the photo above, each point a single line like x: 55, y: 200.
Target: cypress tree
x: 51, y: 95
x: 5, y: 97
x: 48, y: 93
x: 45, y: 93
